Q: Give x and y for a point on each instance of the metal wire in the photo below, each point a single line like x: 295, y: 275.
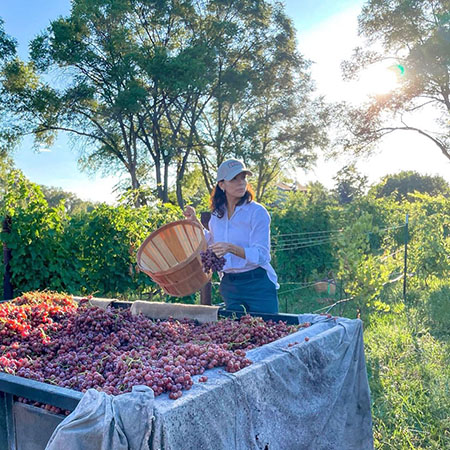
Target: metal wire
x: 302, y: 245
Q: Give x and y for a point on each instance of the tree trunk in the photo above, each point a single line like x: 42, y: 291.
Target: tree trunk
x: 180, y: 174
x: 139, y: 200
x: 180, y: 199
x: 165, y: 196
x: 159, y: 185
x: 8, y: 292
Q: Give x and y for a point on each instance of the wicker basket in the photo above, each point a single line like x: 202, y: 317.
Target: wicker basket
x: 171, y: 257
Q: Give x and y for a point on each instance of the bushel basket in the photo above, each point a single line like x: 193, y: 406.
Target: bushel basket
x: 171, y: 257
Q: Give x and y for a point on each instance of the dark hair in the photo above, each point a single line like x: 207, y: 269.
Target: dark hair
x: 218, y: 200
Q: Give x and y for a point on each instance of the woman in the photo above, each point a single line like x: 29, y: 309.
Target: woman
x: 239, y: 230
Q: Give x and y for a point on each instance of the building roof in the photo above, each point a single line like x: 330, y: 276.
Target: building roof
x: 291, y: 187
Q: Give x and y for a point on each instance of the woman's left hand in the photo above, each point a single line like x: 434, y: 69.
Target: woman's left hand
x: 220, y: 248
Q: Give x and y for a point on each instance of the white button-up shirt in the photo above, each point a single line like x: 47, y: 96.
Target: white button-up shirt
x: 248, y: 227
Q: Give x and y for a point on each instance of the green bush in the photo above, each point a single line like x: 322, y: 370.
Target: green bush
x: 292, y: 224
x: 89, y: 253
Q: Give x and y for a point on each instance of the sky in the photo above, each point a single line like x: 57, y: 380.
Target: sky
x: 326, y: 35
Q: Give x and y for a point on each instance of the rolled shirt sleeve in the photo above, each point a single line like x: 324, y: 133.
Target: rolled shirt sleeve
x: 258, y: 251
x: 208, y: 236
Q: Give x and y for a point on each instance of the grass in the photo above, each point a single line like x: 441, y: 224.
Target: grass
x: 408, y: 362
x: 409, y: 379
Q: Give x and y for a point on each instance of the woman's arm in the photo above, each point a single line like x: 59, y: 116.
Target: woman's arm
x: 190, y: 214
x: 221, y: 248
x: 258, y: 251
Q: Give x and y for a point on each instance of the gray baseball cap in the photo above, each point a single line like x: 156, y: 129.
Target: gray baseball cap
x: 230, y: 168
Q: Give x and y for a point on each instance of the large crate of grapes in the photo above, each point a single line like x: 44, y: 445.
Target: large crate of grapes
x: 304, y: 385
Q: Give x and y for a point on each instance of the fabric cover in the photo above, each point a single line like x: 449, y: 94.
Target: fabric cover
x: 105, y: 422
x: 312, y: 395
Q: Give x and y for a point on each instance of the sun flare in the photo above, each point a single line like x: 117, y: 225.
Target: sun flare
x: 378, y: 79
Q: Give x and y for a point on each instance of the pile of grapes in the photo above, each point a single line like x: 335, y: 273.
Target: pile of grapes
x: 50, y: 338
x: 210, y: 261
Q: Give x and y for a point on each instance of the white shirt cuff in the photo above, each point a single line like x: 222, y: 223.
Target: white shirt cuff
x: 252, y: 255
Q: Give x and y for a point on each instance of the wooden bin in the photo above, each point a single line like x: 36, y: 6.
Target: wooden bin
x: 171, y: 257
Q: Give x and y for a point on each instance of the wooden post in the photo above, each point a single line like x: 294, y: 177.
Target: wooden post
x: 7, y: 286
x: 206, y: 290
x: 405, y: 264
x: 205, y: 294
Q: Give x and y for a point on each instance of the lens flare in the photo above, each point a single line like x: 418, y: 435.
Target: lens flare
x: 379, y: 79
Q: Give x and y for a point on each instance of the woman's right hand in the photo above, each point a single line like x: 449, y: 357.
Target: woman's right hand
x: 190, y: 214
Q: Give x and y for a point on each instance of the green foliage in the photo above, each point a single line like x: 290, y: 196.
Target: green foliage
x: 438, y: 309
x: 7, y: 44
x: 88, y: 252
x: 302, y: 213
x: 107, y: 238
x: 41, y: 257
x: 366, y: 259
x: 9, y: 129
x: 430, y: 239
x: 19, y: 76
x: 404, y: 183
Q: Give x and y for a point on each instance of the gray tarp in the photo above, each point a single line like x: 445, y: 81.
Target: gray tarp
x: 104, y: 422
x: 313, y: 395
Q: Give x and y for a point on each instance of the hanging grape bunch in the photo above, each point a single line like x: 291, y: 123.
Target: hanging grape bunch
x: 210, y: 261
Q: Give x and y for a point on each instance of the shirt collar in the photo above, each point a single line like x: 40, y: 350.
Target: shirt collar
x: 237, y: 208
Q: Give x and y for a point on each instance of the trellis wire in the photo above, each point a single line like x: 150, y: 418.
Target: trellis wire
x: 306, y: 285
x: 302, y: 245
x: 307, y: 233
x: 295, y: 244
x: 332, y: 231
x: 329, y: 307
x: 319, y: 238
x: 384, y: 257
x: 301, y: 241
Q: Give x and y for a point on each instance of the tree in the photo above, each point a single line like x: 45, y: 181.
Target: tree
x: 404, y: 183
x: 9, y: 130
x: 349, y: 184
x: 415, y: 36
x: 138, y: 76
x: 265, y: 114
x: 72, y: 204
x: 115, y: 59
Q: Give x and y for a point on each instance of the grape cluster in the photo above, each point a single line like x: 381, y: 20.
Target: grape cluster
x: 111, y: 350
x: 211, y: 262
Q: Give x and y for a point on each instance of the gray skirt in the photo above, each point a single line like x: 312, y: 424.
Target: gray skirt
x: 251, y: 291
